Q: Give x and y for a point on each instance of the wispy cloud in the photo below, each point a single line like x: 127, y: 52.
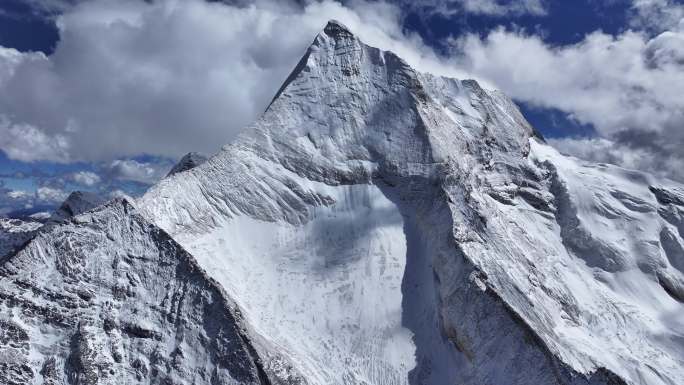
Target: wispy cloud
x: 25, y: 142
x: 498, y: 8
x: 44, y: 198
x: 51, y: 195
x: 661, y: 164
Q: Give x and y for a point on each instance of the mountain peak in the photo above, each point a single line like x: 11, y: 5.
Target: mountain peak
x: 335, y: 28
x: 187, y: 162
x: 76, y: 203
x: 341, y: 86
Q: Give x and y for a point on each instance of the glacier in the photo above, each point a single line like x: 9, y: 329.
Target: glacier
x: 376, y: 225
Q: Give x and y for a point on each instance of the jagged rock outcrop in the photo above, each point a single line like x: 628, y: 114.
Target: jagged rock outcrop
x: 15, y: 232
x: 187, y: 162
x: 76, y: 203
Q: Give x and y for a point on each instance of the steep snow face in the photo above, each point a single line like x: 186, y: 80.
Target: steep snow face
x: 520, y: 266
x: 109, y: 298
x: 328, y: 293
x: 621, y: 259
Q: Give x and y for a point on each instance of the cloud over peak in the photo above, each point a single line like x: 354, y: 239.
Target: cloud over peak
x: 131, y: 77
x: 86, y: 178
x: 162, y: 78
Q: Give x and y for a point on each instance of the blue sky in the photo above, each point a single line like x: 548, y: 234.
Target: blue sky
x: 104, y: 95
x: 565, y: 22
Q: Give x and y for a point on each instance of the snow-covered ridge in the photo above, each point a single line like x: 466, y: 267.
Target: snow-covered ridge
x: 15, y: 232
x: 110, y: 299
x: 187, y: 162
x: 350, y: 115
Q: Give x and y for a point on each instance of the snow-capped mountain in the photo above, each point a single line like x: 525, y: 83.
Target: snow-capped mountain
x: 76, y: 203
x: 102, y: 299
x: 14, y: 232
x: 376, y: 225
x: 187, y: 162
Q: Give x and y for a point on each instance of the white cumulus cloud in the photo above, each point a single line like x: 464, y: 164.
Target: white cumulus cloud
x: 50, y: 194
x: 27, y: 143
x: 498, y: 8
x: 18, y: 194
x: 657, y: 15
x: 133, y: 170
x: 86, y: 178
x: 627, y: 86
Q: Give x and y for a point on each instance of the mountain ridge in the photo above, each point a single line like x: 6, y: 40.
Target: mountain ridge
x: 110, y: 340
x: 381, y: 226
x: 490, y: 129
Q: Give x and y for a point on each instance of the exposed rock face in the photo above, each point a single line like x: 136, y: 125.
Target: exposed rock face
x: 76, y: 203
x: 375, y: 226
x: 109, y: 299
x: 187, y: 162
x: 15, y: 232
